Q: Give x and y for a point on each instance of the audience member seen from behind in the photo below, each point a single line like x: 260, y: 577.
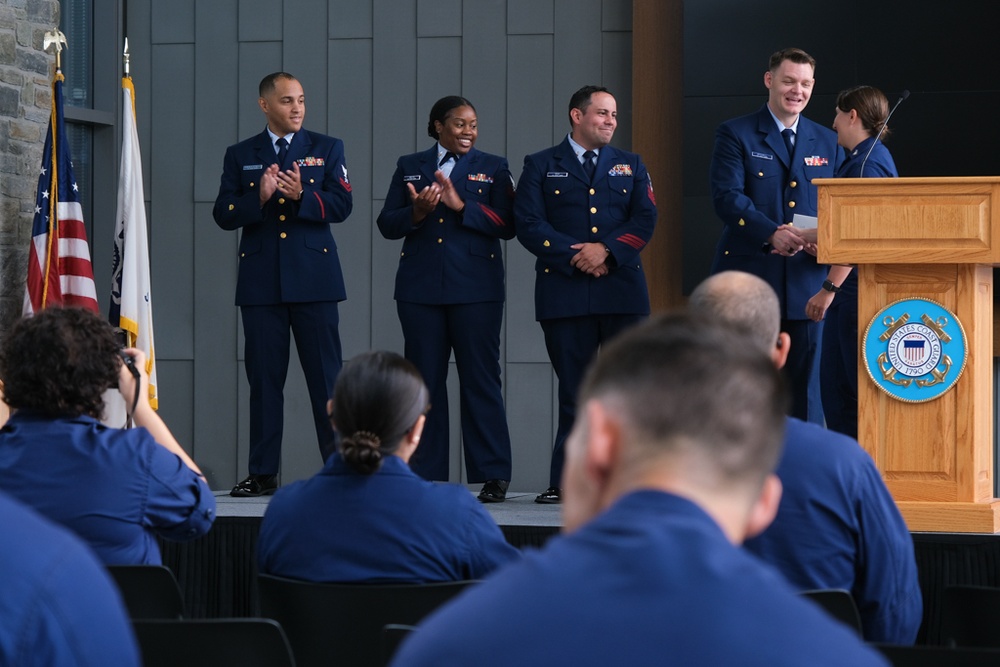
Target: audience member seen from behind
x: 861, y: 115
x: 451, y: 204
x: 837, y: 525
x: 117, y: 489
x: 59, y: 607
x: 366, y: 516
x: 668, y: 469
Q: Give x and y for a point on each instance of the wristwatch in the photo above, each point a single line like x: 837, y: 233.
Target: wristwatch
x: 830, y: 287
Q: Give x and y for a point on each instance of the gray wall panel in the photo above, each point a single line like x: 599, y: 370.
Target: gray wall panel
x: 350, y: 114
x: 216, y: 375
x: 260, y: 21
x: 529, y: 409
x: 350, y: 19
x: 139, y: 31
x: 394, y: 90
x: 176, y: 405
x: 616, y: 76
x: 172, y: 22
x: 257, y: 60
x: 305, y: 56
x: 577, y: 51
x: 616, y: 15
x: 172, y: 197
x: 439, y: 18
x: 216, y: 93
x: 484, y: 70
x: 433, y: 83
x: 530, y: 17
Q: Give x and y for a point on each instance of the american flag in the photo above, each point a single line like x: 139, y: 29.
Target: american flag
x: 59, y: 267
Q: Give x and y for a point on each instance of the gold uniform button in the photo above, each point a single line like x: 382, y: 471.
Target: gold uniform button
x: 281, y: 200
x: 251, y: 184
x: 243, y: 254
x: 491, y: 255
x: 791, y: 204
x: 402, y: 254
x: 593, y: 209
x: 232, y: 206
x: 325, y: 250
x: 440, y: 219
x: 283, y: 235
x: 557, y: 192
x: 726, y: 253
x: 742, y: 223
x: 546, y: 270
x: 312, y: 180
x: 480, y: 191
x: 593, y: 230
x: 625, y: 191
x: 440, y: 240
x: 593, y: 191
x: 546, y: 244
x: 794, y: 184
x: 760, y: 174
x: 281, y: 218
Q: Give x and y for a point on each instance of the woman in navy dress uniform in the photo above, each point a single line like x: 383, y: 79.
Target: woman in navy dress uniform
x: 451, y: 204
x: 860, y: 122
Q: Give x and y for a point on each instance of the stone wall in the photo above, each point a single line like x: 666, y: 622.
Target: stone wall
x: 25, y: 99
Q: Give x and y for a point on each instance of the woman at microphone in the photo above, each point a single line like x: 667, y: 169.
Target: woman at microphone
x: 861, y: 124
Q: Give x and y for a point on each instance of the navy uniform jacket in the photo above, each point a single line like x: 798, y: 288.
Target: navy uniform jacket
x: 757, y: 186
x: 556, y: 207
x: 838, y: 527
x: 342, y: 526
x: 59, y: 606
x: 117, y: 489
x: 449, y: 257
x: 287, y: 253
x: 651, y: 581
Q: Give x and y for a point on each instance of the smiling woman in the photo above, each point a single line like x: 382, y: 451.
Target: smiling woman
x: 451, y: 204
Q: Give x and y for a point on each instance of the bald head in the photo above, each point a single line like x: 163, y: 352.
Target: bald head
x: 743, y: 301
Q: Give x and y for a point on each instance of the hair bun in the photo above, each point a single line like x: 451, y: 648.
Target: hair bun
x: 361, y: 451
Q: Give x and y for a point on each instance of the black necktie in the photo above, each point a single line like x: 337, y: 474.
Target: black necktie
x: 588, y: 164
x: 448, y: 156
x: 788, y: 134
x: 282, y: 151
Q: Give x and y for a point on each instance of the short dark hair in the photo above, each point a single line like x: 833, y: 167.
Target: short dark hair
x: 581, y: 99
x: 684, y: 385
x: 378, y: 397
x: 59, y: 362
x: 795, y: 55
x: 441, y: 109
x: 269, y: 82
x: 743, y: 301
x: 871, y: 105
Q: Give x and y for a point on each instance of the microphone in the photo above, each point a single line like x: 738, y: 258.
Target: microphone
x: 902, y: 96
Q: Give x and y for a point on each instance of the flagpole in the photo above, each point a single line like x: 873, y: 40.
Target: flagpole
x: 56, y: 39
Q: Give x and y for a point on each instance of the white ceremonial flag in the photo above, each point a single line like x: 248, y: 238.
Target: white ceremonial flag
x: 131, y: 307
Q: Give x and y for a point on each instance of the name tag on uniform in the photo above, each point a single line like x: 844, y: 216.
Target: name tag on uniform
x: 816, y: 161
x: 411, y: 177
x: 251, y: 167
x: 557, y: 174
x: 762, y: 156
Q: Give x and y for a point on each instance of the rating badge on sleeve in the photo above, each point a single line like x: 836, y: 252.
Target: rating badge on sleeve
x: 915, y: 350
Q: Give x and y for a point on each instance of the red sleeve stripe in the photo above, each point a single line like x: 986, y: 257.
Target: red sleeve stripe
x: 322, y: 209
x: 492, y: 215
x: 632, y: 240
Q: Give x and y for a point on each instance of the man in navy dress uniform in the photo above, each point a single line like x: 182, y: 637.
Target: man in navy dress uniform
x: 837, y: 524
x: 283, y: 188
x: 668, y: 469
x: 761, y: 173
x: 586, y: 210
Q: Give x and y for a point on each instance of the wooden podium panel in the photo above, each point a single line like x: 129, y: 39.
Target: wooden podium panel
x: 934, y: 239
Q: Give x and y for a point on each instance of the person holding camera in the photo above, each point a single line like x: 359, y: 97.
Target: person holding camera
x: 117, y: 489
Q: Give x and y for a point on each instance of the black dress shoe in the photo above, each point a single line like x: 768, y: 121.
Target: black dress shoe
x: 494, y: 491
x: 551, y: 496
x: 256, y: 485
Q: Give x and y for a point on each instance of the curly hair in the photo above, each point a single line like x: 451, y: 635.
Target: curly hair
x: 59, y: 363
x: 378, y: 397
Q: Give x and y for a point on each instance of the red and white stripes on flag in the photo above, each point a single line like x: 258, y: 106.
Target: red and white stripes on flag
x: 60, y: 272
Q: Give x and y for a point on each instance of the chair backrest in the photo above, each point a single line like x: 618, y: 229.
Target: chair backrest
x: 839, y: 604
x: 149, y: 591
x: 392, y: 636
x: 970, y: 616
x: 939, y: 656
x: 342, y: 623
x: 247, y: 642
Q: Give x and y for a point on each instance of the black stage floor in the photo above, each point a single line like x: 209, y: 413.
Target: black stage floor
x: 217, y: 572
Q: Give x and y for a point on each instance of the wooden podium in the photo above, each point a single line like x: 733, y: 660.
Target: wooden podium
x: 935, y: 239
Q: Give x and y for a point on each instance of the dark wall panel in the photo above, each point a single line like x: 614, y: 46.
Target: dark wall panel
x: 216, y: 87
x: 305, y: 56
x: 350, y: 19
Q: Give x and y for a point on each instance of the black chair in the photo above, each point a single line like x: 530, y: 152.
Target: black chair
x: 342, y: 623
x: 970, y: 616
x: 149, y: 591
x: 247, y: 642
x: 392, y: 636
x: 939, y: 656
x: 839, y: 604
